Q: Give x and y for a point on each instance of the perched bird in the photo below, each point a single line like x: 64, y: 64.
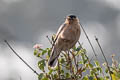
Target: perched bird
x: 67, y: 36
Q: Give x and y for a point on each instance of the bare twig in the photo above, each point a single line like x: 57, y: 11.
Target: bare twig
x: 49, y: 39
x: 84, y: 53
x: 69, y: 61
x: 88, y: 60
x: 42, y: 58
x: 20, y: 57
x: 89, y: 41
x: 58, y: 69
x: 103, y: 56
x: 52, y: 42
x: 74, y: 60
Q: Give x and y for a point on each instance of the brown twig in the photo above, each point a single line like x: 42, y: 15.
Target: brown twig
x: 74, y: 60
x: 20, y: 57
x: 89, y: 41
x: 69, y: 60
x: 84, y: 53
x: 58, y: 70
x: 103, y: 56
x: 88, y: 60
x: 42, y: 58
x: 49, y: 39
x: 70, y: 63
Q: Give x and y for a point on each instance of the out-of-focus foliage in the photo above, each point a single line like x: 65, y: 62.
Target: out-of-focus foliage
x: 74, y: 65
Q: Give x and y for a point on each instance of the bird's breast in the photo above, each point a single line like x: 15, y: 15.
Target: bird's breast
x: 71, y: 32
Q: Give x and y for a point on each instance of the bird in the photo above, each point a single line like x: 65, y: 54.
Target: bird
x: 66, y: 37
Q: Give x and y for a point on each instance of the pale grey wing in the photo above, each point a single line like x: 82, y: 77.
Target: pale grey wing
x: 59, y: 31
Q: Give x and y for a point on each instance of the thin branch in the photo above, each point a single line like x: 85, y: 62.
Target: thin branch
x: 63, y: 65
x: 20, y: 57
x: 89, y: 41
x: 58, y: 69
x: 49, y: 39
x: 88, y: 59
x: 84, y: 53
x: 52, y: 42
x: 70, y: 64
x: 42, y: 58
x: 74, y: 60
x: 103, y: 56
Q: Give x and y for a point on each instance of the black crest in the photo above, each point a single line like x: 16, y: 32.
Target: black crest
x: 72, y: 16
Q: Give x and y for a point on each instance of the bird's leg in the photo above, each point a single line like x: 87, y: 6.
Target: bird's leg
x: 69, y: 61
x: 58, y: 69
x: 75, y: 60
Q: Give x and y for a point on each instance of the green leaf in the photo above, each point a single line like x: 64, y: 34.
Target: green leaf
x: 41, y: 65
x: 86, y: 65
x: 55, y: 76
x: 106, y: 70
x: 83, y: 50
x: 118, y: 74
x: 85, y: 78
x: 49, y: 51
x: 40, y: 76
x: 62, y: 60
x: 44, y: 51
x: 100, y: 78
x: 62, y: 71
x: 85, y: 61
x: 92, y: 72
x: 53, y: 37
x: 90, y: 65
x: 80, y: 62
x: 107, y: 77
x: 78, y: 52
x: 45, y: 78
x: 83, y: 58
x: 67, y: 75
x: 99, y: 69
x: 78, y: 48
x: 119, y: 66
x: 39, y: 54
x: 91, y: 78
x: 50, y: 71
x: 74, y: 48
x: 35, y: 52
x: 96, y: 63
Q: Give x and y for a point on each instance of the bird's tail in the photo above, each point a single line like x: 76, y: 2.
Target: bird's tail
x: 53, y: 58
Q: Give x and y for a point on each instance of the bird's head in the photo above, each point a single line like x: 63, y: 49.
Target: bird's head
x: 71, y: 19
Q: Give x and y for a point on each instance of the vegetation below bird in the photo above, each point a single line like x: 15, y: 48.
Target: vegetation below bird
x: 75, y: 65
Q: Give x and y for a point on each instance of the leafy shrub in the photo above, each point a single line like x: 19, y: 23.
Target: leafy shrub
x: 75, y: 65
